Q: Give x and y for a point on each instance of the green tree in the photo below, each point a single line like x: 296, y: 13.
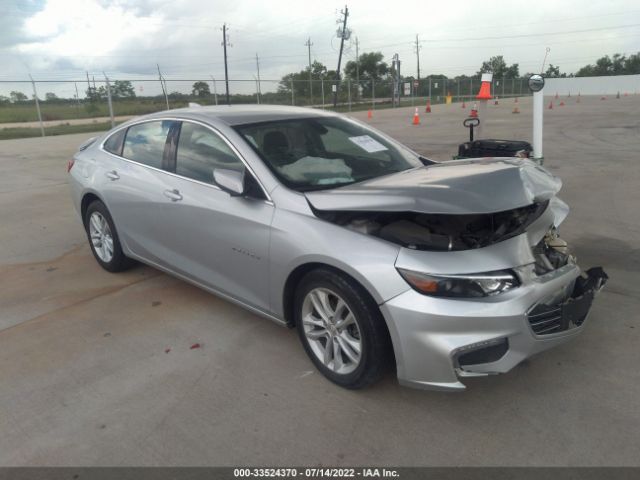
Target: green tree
x: 300, y: 82
x: 552, y: 71
x: 371, y: 65
x: 17, y: 96
x: 50, y: 96
x: 499, y: 68
x: 200, y: 89
x: 122, y: 89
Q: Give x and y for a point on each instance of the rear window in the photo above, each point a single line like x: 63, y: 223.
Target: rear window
x: 145, y: 142
x: 114, y: 142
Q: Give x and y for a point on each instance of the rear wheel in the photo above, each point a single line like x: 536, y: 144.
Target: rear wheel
x: 104, y: 240
x: 341, y: 329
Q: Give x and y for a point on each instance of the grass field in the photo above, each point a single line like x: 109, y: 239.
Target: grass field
x: 63, y: 111
x: 63, y: 129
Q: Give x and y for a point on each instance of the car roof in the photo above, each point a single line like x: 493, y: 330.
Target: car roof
x: 233, y: 115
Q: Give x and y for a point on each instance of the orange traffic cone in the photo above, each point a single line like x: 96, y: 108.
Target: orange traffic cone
x: 416, y: 118
x: 474, y: 111
x: 516, y: 109
x: 428, y: 109
x: 551, y: 105
x: 369, y: 114
x: 485, y: 87
x: 562, y: 103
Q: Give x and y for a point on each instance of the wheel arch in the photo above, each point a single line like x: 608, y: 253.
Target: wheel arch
x: 88, y: 198
x: 288, y: 294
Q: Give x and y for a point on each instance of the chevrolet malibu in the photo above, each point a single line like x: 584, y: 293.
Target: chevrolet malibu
x: 375, y: 254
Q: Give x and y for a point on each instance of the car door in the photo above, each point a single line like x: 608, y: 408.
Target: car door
x: 134, y: 186
x: 214, y: 238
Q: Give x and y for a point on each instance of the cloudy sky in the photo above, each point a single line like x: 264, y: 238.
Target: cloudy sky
x: 61, y: 39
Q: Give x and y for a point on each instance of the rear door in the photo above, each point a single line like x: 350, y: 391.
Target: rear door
x: 212, y: 237
x: 135, y: 187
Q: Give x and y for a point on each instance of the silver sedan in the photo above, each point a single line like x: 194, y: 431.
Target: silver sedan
x: 378, y: 256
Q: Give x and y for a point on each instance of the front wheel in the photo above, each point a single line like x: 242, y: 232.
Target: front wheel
x: 341, y: 329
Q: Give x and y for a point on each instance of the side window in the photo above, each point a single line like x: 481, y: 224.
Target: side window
x: 200, y: 151
x: 145, y: 142
x: 113, y: 144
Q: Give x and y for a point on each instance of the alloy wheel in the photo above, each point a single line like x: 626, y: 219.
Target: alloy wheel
x: 332, y: 330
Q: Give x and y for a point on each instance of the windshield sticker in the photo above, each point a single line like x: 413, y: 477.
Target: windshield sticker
x: 368, y: 144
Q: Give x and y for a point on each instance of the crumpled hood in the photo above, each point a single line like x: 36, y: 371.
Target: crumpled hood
x: 485, y: 185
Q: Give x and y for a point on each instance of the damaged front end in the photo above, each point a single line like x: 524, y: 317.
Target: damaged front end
x: 438, y: 232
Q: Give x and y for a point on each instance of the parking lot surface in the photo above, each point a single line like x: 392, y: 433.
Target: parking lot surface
x: 143, y: 369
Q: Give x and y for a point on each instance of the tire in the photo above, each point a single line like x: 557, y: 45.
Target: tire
x: 322, y: 290
x: 103, y: 239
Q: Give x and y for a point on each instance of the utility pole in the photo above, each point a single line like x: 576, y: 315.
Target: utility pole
x: 357, y: 69
x: 308, y: 44
x: 226, y: 71
x: 258, y: 68
x: 418, y: 55
x: 343, y: 33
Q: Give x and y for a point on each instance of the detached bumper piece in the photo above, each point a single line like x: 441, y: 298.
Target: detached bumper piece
x: 548, y: 319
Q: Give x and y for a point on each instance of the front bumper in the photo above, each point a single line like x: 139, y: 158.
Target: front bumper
x: 430, y: 335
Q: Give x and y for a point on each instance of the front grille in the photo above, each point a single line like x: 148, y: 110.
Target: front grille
x: 546, y: 319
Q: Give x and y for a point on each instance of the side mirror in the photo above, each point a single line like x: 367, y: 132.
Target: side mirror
x: 231, y: 181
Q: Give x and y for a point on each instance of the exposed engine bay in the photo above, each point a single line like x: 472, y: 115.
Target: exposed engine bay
x: 551, y: 253
x: 438, y: 232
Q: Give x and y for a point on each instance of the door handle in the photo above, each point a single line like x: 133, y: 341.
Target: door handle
x: 112, y: 175
x: 173, y: 195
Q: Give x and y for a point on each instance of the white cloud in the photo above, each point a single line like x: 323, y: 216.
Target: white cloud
x: 127, y: 37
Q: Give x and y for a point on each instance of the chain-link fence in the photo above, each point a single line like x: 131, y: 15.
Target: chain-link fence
x: 33, y: 108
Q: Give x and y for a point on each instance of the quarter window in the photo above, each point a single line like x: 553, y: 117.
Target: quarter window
x: 200, y: 151
x: 145, y: 142
x: 113, y: 144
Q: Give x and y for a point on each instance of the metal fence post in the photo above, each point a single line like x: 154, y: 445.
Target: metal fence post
x: 470, y: 88
x: 429, y: 88
x: 373, y: 94
x: 292, y: 97
x: 322, y: 88
x: 35, y: 97
x: 109, y: 99
x: 349, y: 92
x: 503, y: 82
x: 215, y: 90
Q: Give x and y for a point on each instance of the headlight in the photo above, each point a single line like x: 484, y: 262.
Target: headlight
x: 461, y: 286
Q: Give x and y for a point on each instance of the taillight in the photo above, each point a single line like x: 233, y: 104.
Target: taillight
x: 70, y: 165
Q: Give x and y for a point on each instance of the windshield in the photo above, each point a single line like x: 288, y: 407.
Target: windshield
x: 325, y: 152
